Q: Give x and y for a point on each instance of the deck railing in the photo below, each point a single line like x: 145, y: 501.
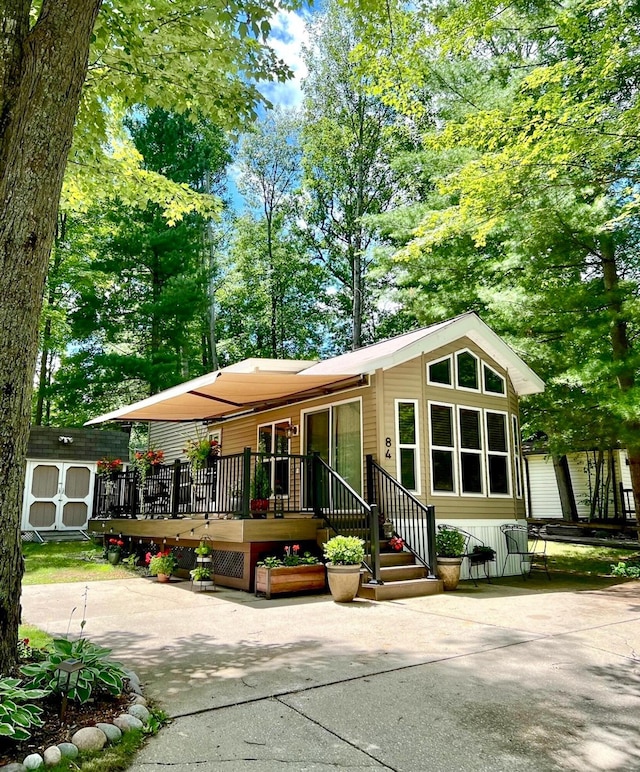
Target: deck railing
x: 412, y: 520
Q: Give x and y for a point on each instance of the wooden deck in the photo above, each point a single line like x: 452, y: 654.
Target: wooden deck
x: 237, y: 544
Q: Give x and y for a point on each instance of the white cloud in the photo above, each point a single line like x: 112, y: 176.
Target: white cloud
x: 288, y: 35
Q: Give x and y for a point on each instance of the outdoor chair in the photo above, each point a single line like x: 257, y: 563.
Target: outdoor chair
x: 527, y: 545
x: 156, y: 497
x: 482, y: 556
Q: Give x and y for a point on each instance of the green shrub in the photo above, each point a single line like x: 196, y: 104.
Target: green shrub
x: 17, y: 715
x: 626, y: 569
x: 449, y: 543
x: 344, y: 551
x: 99, y: 673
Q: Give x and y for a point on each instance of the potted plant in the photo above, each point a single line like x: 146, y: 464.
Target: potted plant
x: 162, y: 564
x: 200, y: 451
x: 344, y: 555
x: 481, y: 554
x: 201, y: 577
x: 450, y: 545
x: 293, y: 572
x: 114, y: 551
x: 260, y: 489
x: 203, y: 552
x: 109, y: 467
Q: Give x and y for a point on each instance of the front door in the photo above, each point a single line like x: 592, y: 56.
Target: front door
x: 57, y: 495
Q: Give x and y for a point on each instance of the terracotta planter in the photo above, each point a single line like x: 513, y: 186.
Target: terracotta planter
x: 272, y: 581
x: 449, y: 571
x: 164, y: 578
x: 344, y: 582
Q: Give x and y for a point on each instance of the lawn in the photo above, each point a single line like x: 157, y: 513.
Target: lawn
x: 58, y: 562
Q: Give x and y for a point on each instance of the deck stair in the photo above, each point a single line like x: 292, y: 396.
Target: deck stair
x: 67, y: 535
x: 402, y: 577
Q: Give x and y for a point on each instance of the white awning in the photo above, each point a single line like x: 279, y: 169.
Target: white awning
x: 225, y: 392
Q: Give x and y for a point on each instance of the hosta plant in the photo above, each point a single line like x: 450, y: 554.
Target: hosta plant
x: 17, y: 715
x: 99, y: 673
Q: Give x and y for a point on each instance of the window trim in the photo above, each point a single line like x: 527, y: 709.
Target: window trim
x: 452, y: 449
x: 481, y: 453
x: 516, y: 447
x: 402, y: 446
x: 478, y: 360
x: 499, y: 453
x: 273, y: 456
x: 451, y: 370
x: 486, y: 391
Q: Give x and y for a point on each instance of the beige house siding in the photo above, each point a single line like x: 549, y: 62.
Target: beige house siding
x: 406, y: 381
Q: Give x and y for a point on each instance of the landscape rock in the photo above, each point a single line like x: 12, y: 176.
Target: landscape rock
x: 89, y: 738
x: 68, y: 750
x: 15, y: 766
x: 114, y: 735
x: 138, y: 699
x: 126, y: 722
x: 33, y: 761
x: 134, y: 681
x: 139, y: 711
x: 52, y: 756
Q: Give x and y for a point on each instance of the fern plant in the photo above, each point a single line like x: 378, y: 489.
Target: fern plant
x: 98, y: 672
x: 17, y: 715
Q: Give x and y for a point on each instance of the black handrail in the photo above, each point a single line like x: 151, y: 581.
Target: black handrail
x: 347, y: 513
x: 412, y: 520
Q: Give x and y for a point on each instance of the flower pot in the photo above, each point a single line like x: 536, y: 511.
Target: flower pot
x: 449, y: 571
x: 344, y: 582
x: 113, y: 556
x: 302, y: 578
x: 202, y: 584
x: 164, y: 578
x: 203, y: 558
x: 259, y: 508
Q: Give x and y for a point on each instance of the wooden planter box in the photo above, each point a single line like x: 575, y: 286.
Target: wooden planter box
x: 272, y: 581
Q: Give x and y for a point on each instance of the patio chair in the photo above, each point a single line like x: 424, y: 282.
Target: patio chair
x: 156, y: 497
x: 482, y: 557
x: 527, y: 545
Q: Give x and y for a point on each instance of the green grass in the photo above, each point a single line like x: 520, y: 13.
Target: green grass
x: 58, y: 562
x: 38, y: 639
x: 585, y: 560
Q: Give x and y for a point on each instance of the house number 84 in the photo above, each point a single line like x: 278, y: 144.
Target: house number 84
x: 387, y: 442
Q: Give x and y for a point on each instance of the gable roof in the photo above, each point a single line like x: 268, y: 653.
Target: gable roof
x: 402, y: 348
x: 256, y: 384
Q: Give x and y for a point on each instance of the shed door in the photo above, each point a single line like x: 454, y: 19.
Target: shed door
x: 57, y: 495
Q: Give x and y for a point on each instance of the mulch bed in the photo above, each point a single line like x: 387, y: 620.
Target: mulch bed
x: 104, y: 708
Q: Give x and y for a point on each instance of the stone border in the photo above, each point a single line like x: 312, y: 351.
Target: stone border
x: 91, y: 738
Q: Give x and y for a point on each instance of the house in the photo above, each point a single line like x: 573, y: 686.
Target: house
x: 60, y: 476
x: 433, y: 413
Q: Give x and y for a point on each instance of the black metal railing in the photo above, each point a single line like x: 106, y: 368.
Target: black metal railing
x: 346, y: 512
x: 226, y: 486
x: 412, y: 520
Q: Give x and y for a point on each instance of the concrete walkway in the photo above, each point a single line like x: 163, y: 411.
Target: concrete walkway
x: 489, y: 678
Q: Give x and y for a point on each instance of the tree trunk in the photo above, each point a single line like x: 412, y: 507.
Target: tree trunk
x: 565, y: 488
x: 621, y: 353
x: 42, y: 71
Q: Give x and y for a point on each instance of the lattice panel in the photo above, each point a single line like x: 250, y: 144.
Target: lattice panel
x: 229, y: 563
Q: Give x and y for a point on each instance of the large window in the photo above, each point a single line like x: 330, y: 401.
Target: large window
x: 470, y: 433
x: 493, y: 382
x: 467, y: 371
x: 517, y: 456
x: 272, y: 439
x: 442, y: 448
x: 497, y: 453
x: 440, y: 372
x: 407, y: 443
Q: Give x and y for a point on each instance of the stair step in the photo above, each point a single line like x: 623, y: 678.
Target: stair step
x: 412, y: 588
x: 394, y: 559
x: 51, y: 536
x: 399, y: 573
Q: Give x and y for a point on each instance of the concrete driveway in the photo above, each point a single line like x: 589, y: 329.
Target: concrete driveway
x: 498, y: 677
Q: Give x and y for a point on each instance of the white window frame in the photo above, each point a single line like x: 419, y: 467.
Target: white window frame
x: 484, y: 384
x: 481, y: 452
x: 273, y: 455
x: 451, y: 370
x: 477, y: 390
x: 405, y: 446
x: 453, y: 449
x: 517, y: 456
x: 507, y: 454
